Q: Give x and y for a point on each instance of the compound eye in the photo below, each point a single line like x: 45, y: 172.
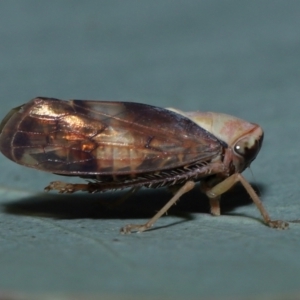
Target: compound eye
x: 248, y: 147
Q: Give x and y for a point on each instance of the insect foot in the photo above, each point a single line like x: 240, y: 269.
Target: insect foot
x: 134, y: 227
x: 278, y: 224
x: 61, y: 187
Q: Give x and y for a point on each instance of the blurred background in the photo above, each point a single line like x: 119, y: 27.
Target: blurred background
x: 236, y: 57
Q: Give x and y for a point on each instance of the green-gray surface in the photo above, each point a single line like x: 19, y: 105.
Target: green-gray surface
x: 236, y: 57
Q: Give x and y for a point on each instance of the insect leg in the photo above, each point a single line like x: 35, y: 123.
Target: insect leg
x: 173, y: 189
x: 214, y: 202
x: 69, y: 188
x: 189, y: 185
x: 215, y: 206
x: 226, y: 184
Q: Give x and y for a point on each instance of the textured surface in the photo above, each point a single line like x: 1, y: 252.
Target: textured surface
x: 236, y: 57
x: 81, y: 137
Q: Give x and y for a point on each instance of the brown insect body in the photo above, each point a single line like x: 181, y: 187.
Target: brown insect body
x: 124, y: 144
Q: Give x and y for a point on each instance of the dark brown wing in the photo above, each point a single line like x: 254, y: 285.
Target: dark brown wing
x: 106, y: 138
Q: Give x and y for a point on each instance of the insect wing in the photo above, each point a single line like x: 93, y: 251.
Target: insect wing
x: 79, y: 137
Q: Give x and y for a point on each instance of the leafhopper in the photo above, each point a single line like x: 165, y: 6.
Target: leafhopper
x: 118, y: 145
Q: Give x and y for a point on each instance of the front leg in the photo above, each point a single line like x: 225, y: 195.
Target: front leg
x: 214, y: 202
x: 227, y: 183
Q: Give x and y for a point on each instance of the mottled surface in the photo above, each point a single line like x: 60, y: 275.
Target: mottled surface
x: 103, y: 138
x: 236, y: 57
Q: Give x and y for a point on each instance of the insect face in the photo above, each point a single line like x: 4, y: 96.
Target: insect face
x: 243, y: 138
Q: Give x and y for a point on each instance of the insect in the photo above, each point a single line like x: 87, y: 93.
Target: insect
x: 117, y: 145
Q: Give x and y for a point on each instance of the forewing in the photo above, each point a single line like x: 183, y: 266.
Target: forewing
x: 106, y: 138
